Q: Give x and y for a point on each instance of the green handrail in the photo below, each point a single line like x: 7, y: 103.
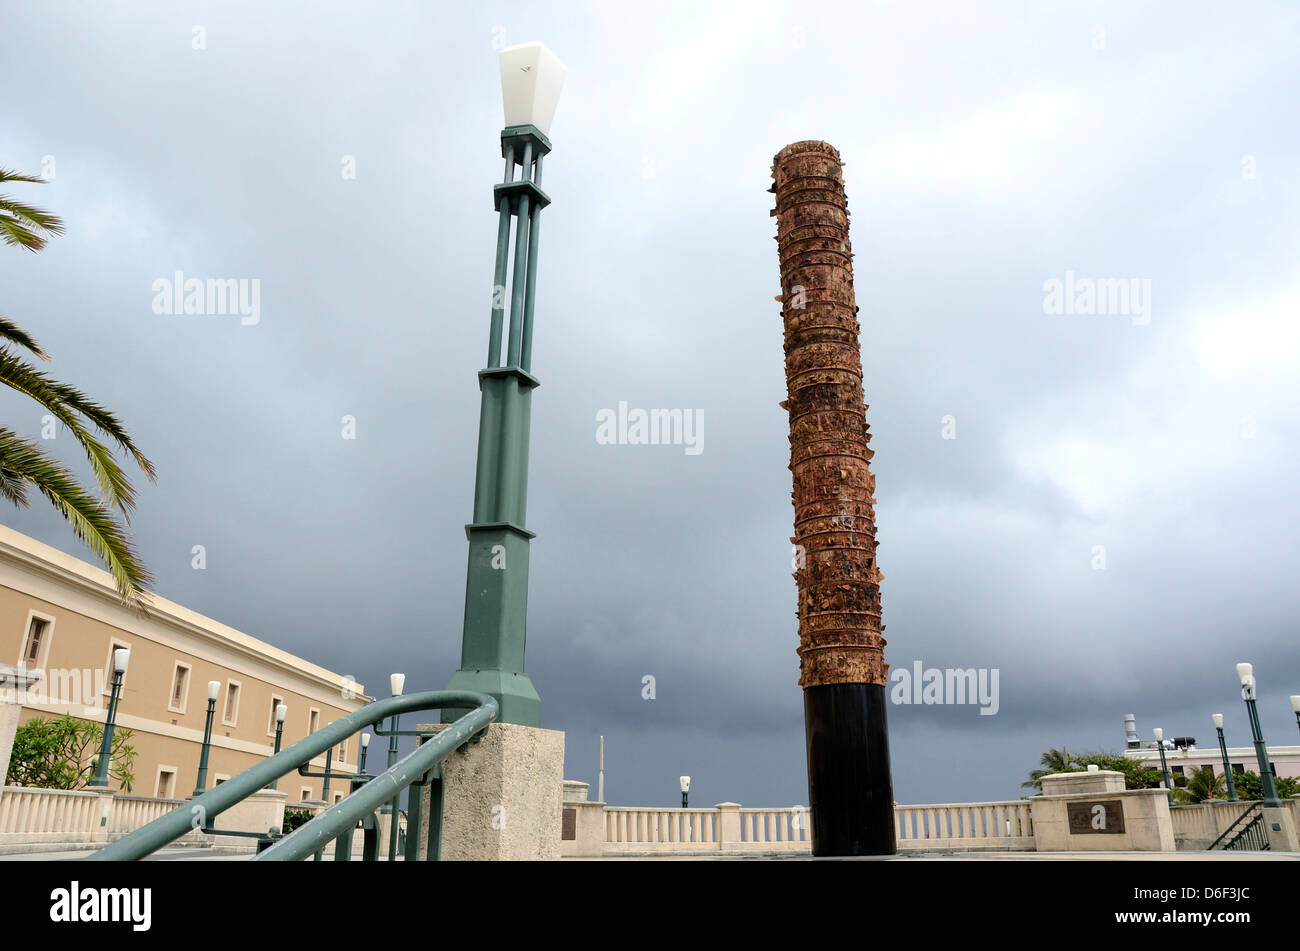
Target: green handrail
x: 200, y: 811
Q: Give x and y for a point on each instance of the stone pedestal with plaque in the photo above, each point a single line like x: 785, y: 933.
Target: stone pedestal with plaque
x: 1093, y: 812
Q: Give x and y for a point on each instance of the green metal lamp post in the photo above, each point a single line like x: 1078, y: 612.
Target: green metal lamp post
x: 280, y: 711
x: 496, y: 589
x: 1164, y: 767
x: 200, y: 787
x: 1246, y: 673
x: 397, y: 682
x: 365, y: 745
x: 685, y: 782
x: 1223, y: 750
x: 1295, y: 705
x: 120, y: 657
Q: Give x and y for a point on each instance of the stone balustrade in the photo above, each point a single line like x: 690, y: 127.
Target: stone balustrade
x: 958, y: 826
x: 729, y: 827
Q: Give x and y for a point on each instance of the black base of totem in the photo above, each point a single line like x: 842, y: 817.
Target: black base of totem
x: 850, y: 794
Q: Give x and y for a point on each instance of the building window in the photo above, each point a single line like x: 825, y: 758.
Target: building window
x: 270, y: 720
x: 113, y: 645
x: 180, y: 688
x: 342, y: 751
x: 36, y: 641
x: 313, y: 721
x: 231, y: 712
x: 166, y: 782
x: 1177, y: 769
x: 304, y: 794
x: 1238, y: 768
x: 338, y: 797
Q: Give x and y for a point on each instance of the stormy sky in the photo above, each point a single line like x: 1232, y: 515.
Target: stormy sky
x: 1111, y: 528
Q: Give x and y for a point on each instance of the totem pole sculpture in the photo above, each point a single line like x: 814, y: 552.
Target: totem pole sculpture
x: 841, y: 657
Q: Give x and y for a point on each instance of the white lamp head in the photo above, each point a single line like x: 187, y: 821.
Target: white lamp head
x: 1158, y: 733
x: 365, y: 740
x: 1295, y: 702
x: 214, y: 688
x: 531, y: 79
x: 685, y: 782
x: 120, y: 656
x: 1218, y: 721
x: 280, y: 711
x: 1246, y: 672
x: 397, y: 682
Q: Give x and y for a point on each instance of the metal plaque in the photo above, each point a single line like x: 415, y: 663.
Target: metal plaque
x: 1104, y: 817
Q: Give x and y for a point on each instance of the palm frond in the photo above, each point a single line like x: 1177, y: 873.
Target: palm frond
x: 92, y: 523
x: 14, y: 334
x: 21, y: 224
x: 25, y: 378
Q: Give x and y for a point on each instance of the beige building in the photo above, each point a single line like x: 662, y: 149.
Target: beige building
x: 63, y: 617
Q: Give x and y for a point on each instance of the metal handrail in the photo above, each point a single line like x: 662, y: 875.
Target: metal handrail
x: 315, y: 834
x: 1251, y: 814
x: 201, y: 810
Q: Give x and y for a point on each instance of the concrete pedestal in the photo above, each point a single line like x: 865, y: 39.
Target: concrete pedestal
x: 502, y: 796
x: 1281, y: 830
x: 14, y: 682
x: 583, y: 822
x: 260, y: 812
x: 1105, y: 816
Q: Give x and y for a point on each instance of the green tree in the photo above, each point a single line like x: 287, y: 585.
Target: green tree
x: 1053, y: 761
x: 60, y: 753
x: 99, y: 522
x: 293, y: 818
x: 1251, y: 786
x: 1137, y: 775
x: 1202, y: 783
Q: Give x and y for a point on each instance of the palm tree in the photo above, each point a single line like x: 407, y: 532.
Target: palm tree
x: 99, y: 522
x: 1202, y: 783
x: 1053, y: 761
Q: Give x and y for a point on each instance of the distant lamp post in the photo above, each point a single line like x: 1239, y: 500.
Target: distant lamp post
x: 1164, y: 767
x: 1246, y: 673
x: 397, y: 683
x: 686, y: 789
x: 120, y: 657
x: 496, y: 590
x: 280, y: 711
x: 214, y: 688
x: 365, y: 745
x: 1295, y: 705
x: 1223, y: 750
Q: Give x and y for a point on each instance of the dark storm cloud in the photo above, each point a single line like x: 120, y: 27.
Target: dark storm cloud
x: 989, y: 149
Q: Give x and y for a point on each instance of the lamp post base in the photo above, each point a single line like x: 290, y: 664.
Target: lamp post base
x: 513, y: 692
x: 850, y: 795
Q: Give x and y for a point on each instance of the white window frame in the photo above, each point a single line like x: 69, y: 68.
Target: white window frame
x: 44, y: 652
x: 304, y: 794
x: 113, y: 644
x: 158, y: 783
x: 239, y: 698
x: 313, y: 720
x: 171, y: 688
x: 270, y: 723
